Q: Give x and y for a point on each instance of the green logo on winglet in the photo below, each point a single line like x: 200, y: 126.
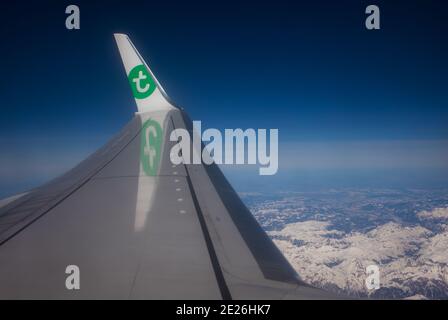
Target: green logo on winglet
x: 142, y: 84
x: 151, y: 146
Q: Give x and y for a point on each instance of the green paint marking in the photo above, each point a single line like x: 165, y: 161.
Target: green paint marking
x: 151, y: 146
x: 142, y: 84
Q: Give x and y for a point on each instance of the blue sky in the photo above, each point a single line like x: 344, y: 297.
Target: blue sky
x: 310, y: 69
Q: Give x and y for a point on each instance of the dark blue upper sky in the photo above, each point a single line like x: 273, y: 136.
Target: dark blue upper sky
x: 309, y: 68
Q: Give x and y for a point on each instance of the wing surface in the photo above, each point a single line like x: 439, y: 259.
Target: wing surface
x: 138, y: 226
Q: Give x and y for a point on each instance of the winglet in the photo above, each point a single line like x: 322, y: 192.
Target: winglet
x: 146, y: 89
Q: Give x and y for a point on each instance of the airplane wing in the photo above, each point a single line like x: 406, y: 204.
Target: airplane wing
x: 139, y: 227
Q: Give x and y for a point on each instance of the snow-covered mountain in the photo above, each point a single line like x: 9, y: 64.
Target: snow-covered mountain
x: 411, y: 254
x: 412, y: 261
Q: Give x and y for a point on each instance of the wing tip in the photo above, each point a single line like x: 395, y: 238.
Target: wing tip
x: 118, y: 35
